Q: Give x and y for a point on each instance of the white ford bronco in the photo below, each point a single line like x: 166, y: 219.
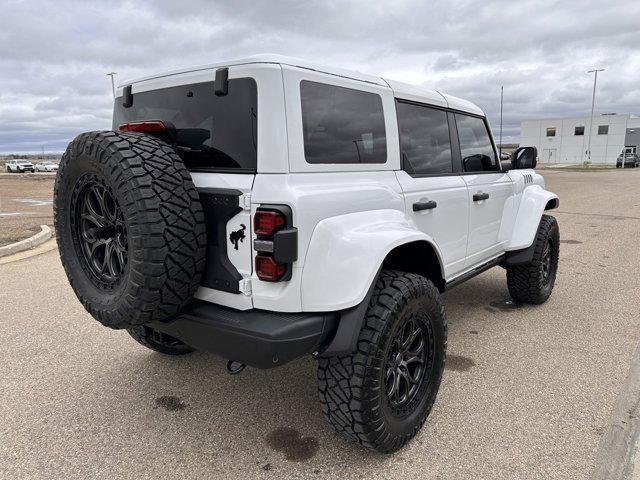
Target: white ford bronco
x: 267, y: 209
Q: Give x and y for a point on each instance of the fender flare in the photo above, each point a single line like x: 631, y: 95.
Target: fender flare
x: 532, y: 206
x: 353, y: 246
x: 346, y: 253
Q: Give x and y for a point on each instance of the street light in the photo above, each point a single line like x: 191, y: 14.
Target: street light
x: 593, y: 103
x: 113, y: 85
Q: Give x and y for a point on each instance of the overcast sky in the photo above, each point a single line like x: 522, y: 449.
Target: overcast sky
x: 54, y: 54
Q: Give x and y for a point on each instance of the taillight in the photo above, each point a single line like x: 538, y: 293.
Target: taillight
x: 267, y: 269
x: 153, y: 126
x: 267, y: 222
x: 276, y: 243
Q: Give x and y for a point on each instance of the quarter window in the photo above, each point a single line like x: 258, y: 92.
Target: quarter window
x: 579, y: 131
x: 603, y: 129
x: 424, y: 139
x: 342, y: 125
x: 551, y: 132
x: 476, y: 149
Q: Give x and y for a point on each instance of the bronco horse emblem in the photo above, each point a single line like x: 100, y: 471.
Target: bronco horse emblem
x: 237, y: 236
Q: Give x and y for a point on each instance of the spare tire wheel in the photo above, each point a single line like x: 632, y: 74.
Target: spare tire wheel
x: 129, y: 226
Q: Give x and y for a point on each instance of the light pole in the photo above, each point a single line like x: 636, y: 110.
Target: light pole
x: 113, y: 84
x: 593, y: 103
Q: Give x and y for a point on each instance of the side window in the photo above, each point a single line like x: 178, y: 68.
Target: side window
x: 476, y: 148
x: 342, y: 125
x: 425, y: 144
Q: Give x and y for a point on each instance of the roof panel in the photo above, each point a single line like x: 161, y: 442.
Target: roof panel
x: 269, y: 58
x: 401, y: 90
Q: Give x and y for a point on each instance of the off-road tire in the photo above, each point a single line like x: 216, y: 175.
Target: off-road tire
x: 352, y: 387
x: 163, y: 223
x: 527, y: 282
x: 158, y: 341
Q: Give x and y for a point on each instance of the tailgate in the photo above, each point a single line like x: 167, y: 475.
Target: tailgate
x: 226, y: 203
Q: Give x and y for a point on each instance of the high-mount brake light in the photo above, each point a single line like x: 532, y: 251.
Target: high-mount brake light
x: 267, y: 222
x: 267, y: 269
x: 153, y: 126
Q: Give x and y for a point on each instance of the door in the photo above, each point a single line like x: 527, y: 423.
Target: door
x: 549, y: 155
x: 435, y: 194
x: 490, y: 191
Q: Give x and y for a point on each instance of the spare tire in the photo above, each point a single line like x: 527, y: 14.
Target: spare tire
x: 129, y: 226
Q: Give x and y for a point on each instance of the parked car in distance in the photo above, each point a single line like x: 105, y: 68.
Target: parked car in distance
x: 19, y: 166
x: 631, y: 160
x: 46, y: 167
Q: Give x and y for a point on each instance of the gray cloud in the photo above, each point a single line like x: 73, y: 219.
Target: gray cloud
x: 54, y: 55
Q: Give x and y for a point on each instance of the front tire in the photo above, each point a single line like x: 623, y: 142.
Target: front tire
x: 381, y: 395
x: 533, y: 282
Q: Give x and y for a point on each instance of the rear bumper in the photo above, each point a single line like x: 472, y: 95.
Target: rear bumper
x: 258, y: 338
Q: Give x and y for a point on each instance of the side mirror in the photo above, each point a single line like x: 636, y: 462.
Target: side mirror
x: 524, y: 157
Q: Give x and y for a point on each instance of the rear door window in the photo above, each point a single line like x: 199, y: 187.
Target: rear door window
x: 424, y: 140
x: 476, y: 148
x: 212, y: 132
x: 342, y: 125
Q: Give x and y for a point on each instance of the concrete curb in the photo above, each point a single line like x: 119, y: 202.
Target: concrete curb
x: 615, y: 457
x: 39, y: 238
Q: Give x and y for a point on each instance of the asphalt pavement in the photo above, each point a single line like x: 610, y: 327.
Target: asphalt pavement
x: 528, y: 392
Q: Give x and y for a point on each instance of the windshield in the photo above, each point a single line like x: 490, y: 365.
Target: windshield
x: 212, y: 132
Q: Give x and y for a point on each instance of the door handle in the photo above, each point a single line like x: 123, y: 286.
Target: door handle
x: 428, y: 205
x: 480, y: 196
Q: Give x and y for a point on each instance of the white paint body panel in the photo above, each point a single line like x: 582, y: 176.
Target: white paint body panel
x: 533, y: 201
x: 447, y: 224
x: 346, y: 252
x: 487, y: 238
x: 314, y: 197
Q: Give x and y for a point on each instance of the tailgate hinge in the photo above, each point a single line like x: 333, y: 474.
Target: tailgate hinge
x: 245, y: 201
x: 245, y: 286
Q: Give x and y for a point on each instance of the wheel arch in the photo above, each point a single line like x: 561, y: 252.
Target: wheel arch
x: 534, y: 202
x: 420, y: 257
x: 347, y: 252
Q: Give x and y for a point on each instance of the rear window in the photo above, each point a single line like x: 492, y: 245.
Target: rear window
x: 342, y: 125
x: 212, y: 132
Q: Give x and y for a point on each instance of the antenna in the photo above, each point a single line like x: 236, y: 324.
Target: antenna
x: 501, y: 102
x: 593, y: 102
x: 113, y: 84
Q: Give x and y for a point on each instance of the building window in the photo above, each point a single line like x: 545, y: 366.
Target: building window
x: 603, y: 129
x: 579, y: 131
x: 551, y: 132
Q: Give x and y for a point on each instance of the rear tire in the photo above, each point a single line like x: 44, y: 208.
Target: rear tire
x: 158, y: 341
x: 129, y: 226
x: 378, y: 396
x: 533, y: 282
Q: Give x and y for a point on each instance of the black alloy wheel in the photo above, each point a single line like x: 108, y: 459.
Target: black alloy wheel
x: 100, y: 230
x: 546, y: 263
x: 406, y: 363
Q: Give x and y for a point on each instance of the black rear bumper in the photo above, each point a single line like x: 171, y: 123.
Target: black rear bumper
x: 258, y: 338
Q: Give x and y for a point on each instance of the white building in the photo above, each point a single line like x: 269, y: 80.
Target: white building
x: 566, y: 140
